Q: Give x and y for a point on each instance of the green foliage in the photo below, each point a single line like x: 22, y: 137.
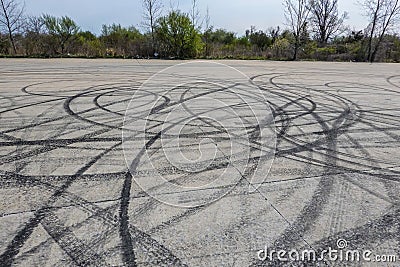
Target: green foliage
x: 396, y: 51
x: 86, y: 36
x: 323, y: 53
x: 243, y: 41
x: 222, y: 36
x: 120, y: 41
x: 116, y: 31
x: 175, y: 36
x: 259, y: 38
x: 90, y: 46
x: 4, y: 44
x: 178, y: 37
x: 62, y: 29
x: 281, y: 48
x: 310, y: 48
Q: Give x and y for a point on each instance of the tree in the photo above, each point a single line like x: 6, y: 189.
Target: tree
x: 326, y: 20
x: 88, y: 44
x: 274, y: 33
x: 63, y: 29
x: 258, y: 38
x: 297, y: 13
x: 34, y: 41
x: 383, y: 14
x: 207, y: 32
x: 152, y: 12
x: 121, y: 41
x: 178, y: 36
x: 34, y: 24
x: 195, y: 14
x: 223, y: 36
x: 11, y: 18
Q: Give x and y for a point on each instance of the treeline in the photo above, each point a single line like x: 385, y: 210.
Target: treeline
x: 316, y: 31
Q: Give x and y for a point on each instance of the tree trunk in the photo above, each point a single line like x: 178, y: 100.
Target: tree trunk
x: 10, y: 35
x: 62, y: 48
x: 296, y: 50
x: 370, y: 48
x: 371, y: 37
x: 12, y: 42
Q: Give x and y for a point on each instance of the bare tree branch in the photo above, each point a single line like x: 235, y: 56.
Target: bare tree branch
x: 11, y: 18
x: 34, y: 25
x: 195, y: 14
x: 383, y: 15
x: 152, y: 12
x: 297, y: 13
x: 326, y: 20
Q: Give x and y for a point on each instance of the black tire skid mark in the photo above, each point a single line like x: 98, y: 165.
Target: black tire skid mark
x: 365, y: 85
x: 55, y: 233
x: 105, y: 86
x: 46, y: 148
x: 311, y: 112
x: 126, y: 238
x: 57, y: 132
x: 59, y: 142
x: 69, y: 99
x: 307, y: 169
x: 361, y: 238
x: 95, y: 243
x: 389, y: 80
x: 61, y: 117
x: 189, y: 212
x: 125, y: 195
x: 392, y: 194
x: 80, y: 253
x: 311, y: 212
x: 77, y: 115
x: 39, y: 218
x: 64, y: 237
x: 49, y: 147
x: 254, y: 135
x: 112, y: 222
x: 22, y: 236
x: 104, y: 108
x: 152, y: 141
x: 390, y: 188
x: 312, y: 147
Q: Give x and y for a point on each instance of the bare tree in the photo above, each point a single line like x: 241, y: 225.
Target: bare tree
x: 274, y: 33
x: 207, y: 20
x: 207, y: 32
x: 11, y: 18
x: 152, y: 12
x: 383, y: 15
x: 326, y: 20
x: 34, y: 24
x: 34, y: 38
x: 297, y: 13
x: 195, y: 14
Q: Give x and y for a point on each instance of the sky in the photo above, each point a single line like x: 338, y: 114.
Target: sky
x: 233, y: 15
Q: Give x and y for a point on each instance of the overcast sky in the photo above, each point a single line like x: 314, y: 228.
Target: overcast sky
x: 234, y: 15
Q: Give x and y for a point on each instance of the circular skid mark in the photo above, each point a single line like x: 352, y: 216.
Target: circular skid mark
x: 204, y: 115
x: 335, y: 177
